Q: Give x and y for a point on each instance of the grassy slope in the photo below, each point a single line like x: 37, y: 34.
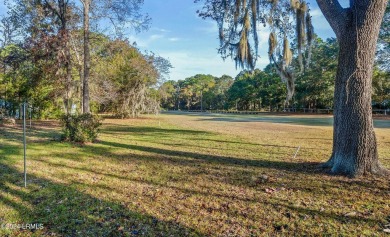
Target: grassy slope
x: 190, y: 175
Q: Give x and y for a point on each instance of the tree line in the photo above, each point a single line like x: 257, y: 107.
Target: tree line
x: 264, y: 90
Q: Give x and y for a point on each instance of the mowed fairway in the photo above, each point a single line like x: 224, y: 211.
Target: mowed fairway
x: 190, y: 175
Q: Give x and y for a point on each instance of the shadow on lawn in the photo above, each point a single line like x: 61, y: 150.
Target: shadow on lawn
x: 121, y: 129
x: 15, y: 133
x: 325, y: 120
x: 192, y: 158
x: 275, y: 119
x: 283, y: 205
x: 63, y: 210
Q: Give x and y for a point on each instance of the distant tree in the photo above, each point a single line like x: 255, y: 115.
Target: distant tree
x: 168, y: 94
x: 201, y: 84
x: 257, y: 90
x: 125, y: 79
x: 243, y: 91
x: 187, y: 92
x: 216, y: 97
x: 381, y: 89
x: 191, y: 90
x: 383, y: 53
x: 315, y: 88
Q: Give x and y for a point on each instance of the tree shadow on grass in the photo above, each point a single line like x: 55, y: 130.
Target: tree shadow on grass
x: 272, y: 119
x: 246, y: 143
x: 285, y: 206
x: 192, y: 157
x: 15, y: 133
x: 63, y: 210
x: 138, y: 130
x: 324, y: 120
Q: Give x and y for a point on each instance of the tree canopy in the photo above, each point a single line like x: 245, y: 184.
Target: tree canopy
x: 238, y: 22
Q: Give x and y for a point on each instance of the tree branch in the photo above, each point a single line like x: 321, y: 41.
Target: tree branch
x: 55, y: 11
x: 335, y: 14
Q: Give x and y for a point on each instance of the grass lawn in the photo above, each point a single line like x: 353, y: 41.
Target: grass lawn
x: 190, y: 175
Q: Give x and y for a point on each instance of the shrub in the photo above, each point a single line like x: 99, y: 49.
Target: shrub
x: 7, y: 121
x: 80, y: 128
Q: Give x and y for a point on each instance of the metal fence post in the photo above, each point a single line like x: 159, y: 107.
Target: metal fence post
x: 24, y: 143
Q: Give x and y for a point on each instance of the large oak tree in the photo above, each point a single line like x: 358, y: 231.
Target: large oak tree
x: 356, y: 27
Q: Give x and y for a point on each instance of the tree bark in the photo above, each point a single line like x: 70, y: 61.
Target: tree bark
x: 61, y: 11
x: 68, y: 66
x: 87, y: 58
x: 354, y: 142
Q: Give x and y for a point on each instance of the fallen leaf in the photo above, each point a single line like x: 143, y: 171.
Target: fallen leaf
x: 351, y: 214
x: 270, y: 190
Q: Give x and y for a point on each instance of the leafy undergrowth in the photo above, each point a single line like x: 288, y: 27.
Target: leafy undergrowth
x: 181, y: 175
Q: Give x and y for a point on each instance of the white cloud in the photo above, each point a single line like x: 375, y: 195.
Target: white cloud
x: 174, y: 39
x: 145, y: 42
x: 161, y: 30
x: 155, y: 37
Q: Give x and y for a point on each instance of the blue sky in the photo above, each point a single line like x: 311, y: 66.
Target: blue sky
x: 190, y: 43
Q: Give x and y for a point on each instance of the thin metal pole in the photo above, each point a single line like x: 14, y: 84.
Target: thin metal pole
x: 30, y: 113
x: 295, y: 155
x: 24, y: 143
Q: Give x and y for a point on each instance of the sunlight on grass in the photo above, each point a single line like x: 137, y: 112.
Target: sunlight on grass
x: 186, y: 175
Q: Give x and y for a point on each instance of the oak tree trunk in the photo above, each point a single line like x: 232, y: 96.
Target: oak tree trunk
x: 354, y: 143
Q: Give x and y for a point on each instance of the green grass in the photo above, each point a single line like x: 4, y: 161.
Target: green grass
x: 189, y: 175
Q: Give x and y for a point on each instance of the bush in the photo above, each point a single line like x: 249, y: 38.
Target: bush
x: 80, y: 128
x: 7, y: 121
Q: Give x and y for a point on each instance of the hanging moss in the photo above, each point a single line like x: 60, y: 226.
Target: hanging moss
x: 294, y: 4
x: 221, y: 34
x: 242, y: 17
x: 300, y: 29
x: 303, y: 7
x: 244, y: 55
x: 287, y: 54
x: 254, y: 23
x: 272, y: 43
x: 236, y: 13
x: 309, y: 37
